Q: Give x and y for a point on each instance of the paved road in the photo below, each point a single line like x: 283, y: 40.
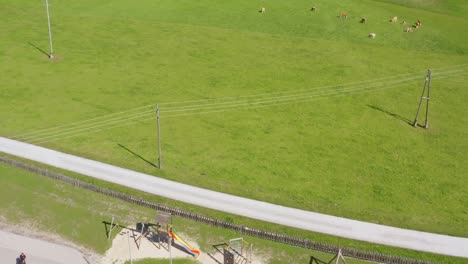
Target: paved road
x: 380, y: 234
x: 37, y: 251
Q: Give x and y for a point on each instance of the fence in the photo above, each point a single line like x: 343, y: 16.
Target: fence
x: 254, y: 232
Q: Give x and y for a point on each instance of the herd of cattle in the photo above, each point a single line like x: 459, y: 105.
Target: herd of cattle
x: 363, y: 20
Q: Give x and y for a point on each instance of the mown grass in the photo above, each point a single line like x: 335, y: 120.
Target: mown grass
x: 49, y: 212
x: 451, y: 7
x: 352, y: 156
x: 41, y: 204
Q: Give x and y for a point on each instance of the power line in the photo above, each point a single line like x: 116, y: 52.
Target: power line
x: 72, y: 132
x: 57, y: 129
x: 459, y: 76
x: 80, y: 122
x: 284, y: 103
x: 264, y: 102
x: 458, y: 82
x: 454, y: 71
x: 276, y: 98
x: 321, y: 94
x: 95, y: 131
x: 191, y: 107
x: 224, y: 110
x: 313, y: 88
x: 110, y: 121
x: 454, y: 66
x: 292, y: 94
x: 336, y: 94
x: 273, y: 93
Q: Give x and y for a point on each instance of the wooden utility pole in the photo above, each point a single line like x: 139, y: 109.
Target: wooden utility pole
x: 424, y: 96
x: 159, y: 137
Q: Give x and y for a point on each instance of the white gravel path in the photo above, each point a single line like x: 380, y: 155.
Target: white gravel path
x: 338, y: 226
x: 37, y: 251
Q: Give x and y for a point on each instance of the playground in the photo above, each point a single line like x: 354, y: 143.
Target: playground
x: 160, y: 240
x: 152, y: 248
x: 125, y: 246
x: 130, y: 243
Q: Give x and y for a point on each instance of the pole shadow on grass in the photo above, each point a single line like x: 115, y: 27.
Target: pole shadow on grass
x: 399, y: 117
x: 39, y: 49
x: 107, y: 226
x: 135, y: 154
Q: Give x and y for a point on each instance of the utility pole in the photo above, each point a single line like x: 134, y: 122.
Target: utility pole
x: 427, y: 84
x: 170, y: 249
x: 51, y: 55
x: 159, y: 137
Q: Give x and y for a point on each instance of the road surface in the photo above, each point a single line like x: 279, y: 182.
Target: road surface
x: 327, y: 224
x: 37, y: 251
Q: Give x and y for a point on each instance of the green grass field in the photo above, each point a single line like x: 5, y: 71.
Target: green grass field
x: 345, y: 154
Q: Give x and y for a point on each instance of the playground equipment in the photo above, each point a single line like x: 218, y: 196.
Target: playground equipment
x: 155, y: 233
x: 146, y: 231
x: 164, y: 219
x: 113, y: 225
x: 184, y: 244
x: 338, y: 257
x: 237, y: 251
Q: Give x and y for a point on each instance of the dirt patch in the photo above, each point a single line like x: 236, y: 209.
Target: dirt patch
x: 154, y: 244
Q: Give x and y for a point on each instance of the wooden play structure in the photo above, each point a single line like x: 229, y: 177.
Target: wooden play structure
x: 236, y: 251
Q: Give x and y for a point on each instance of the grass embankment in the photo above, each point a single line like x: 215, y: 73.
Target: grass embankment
x: 33, y: 201
x: 351, y: 156
x: 77, y: 215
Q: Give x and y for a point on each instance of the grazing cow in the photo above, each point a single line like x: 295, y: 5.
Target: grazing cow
x: 313, y: 9
x: 262, y: 10
x: 363, y: 20
x: 394, y: 19
x: 409, y: 29
x: 404, y: 22
x: 343, y: 15
x: 418, y: 23
x: 372, y: 35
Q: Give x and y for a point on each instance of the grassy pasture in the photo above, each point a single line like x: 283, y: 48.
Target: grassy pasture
x: 353, y: 156
x: 451, y: 7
